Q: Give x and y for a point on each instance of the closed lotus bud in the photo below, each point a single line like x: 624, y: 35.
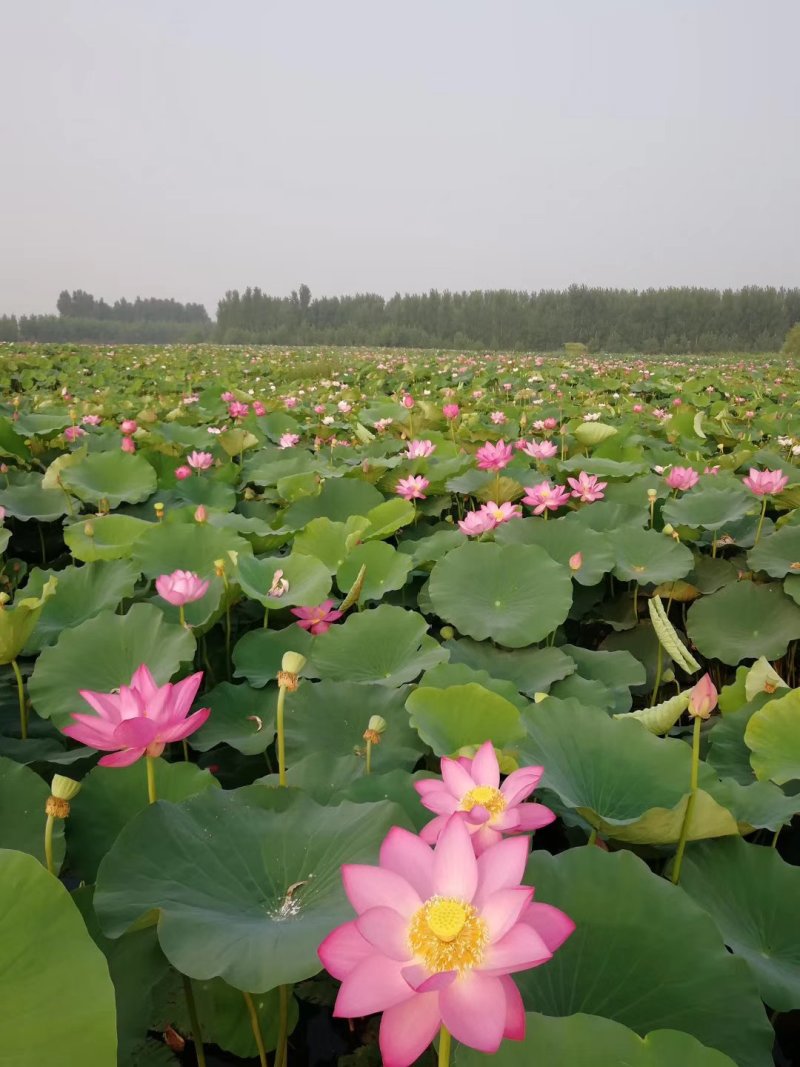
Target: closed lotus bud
x: 200, y: 514
x: 576, y: 561
x: 669, y: 529
x: 293, y: 662
x: 703, y: 698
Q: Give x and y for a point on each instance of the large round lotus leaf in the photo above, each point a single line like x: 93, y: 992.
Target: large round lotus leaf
x: 330, y: 541
x: 23, y: 795
x: 102, y: 654
x: 386, y: 645
x: 561, y: 540
x: 5, y: 537
x: 779, y: 554
x: 257, y: 656
x: 773, y: 737
x: 309, y: 580
x: 514, y: 594
x: 111, y: 476
x: 447, y: 674
x: 590, y: 1041
x: 105, y: 537
x: 109, y: 799
x: 205, y: 491
x: 331, y: 717
x: 339, y: 499
x: 603, y: 468
x: 269, y: 465
x: 708, y: 507
x: 432, y: 548
x: 323, y: 777
x: 450, y: 719
x: 607, y: 516
x: 644, y: 954
x: 619, y: 670
x: 241, y: 717
x: 81, y: 593
x: 386, y: 518
x: 754, y: 805
x: 645, y: 556
x: 593, y: 433
x: 386, y: 569
x: 751, y: 895
x: 55, y: 989
x: 642, y: 643
x: 46, y: 424
x: 25, y: 498
x: 743, y: 621
x: 168, y: 547
x: 532, y: 670
x: 270, y: 890
x: 791, y: 586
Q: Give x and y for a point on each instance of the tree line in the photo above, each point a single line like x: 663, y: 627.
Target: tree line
x: 670, y: 320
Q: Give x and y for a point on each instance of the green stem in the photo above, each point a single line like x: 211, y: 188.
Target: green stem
x: 775, y: 837
x: 151, y: 780
x: 592, y: 837
x: 368, y: 767
x: 255, y: 1026
x: 444, y: 1047
x: 281, y: 1051
x: 182, y: 615
x: 761, y: 520
x: 266, y: 618
x: 676, y: 870
x: 636, y: 601
x: 48, y: 843
x: 659, y: 665
x: 41, y: 544
x: 281, y: 736
x: 197, y: 1035
x: 23, y: 711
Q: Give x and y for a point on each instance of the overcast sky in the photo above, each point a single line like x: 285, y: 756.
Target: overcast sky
x: 185, y: 147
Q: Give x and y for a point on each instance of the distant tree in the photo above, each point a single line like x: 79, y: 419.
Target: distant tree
x: 791, y: 346
x: 304, y: 294
x: 9, y: 329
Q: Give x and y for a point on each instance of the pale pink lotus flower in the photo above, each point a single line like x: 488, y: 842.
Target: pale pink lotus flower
x: 637, y: 409
x: 280, y: 585
x: 128, y: 445
x: 200, y: 461
x: 765, y: 483
x: 91, y: 420
x: 237, y: 410
x: 437, y: 934
x: 537, y: 449
x: 676, y: 402
x: 576, y: 561
x: 420, y: 449
x: 712, y: 470
x: 451, y: 411
x: 407, y: 400
x: 72, y: 433
x: 545, y: 497
x: 258, y: 408
x: 550, y: 423
x: 288, y: 440
x: 181, y: 473
x: 2, y: 514
x: 412, y: 488
x: 129, y: 426
x: 317, y: 620
x: 494, y: 457
x: 319, y: 409
x: 381, y: 424
x: 682, y: 478
x: 344, y: 407
x: 228, y: 396
x: 498, y: 417
x: 473, y: 786
x: 139, y: 720
x: 476, y: 523
x: 200, y: 513
x: 660, y: 413
x: 290, y: 401
x: 500, y: 513
x: 587, y: 487
x: 703, y: 698
x: 181, y: 587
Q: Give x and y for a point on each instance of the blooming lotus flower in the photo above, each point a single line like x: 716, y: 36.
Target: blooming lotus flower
x: 501, y: 512
x: 72, y: 433
x: 550, y: 423
x: 682, y: 478
x: 280, y: 585
x: 538, y: 449
x: 450, y: 411
x: 712, y: 470
x: 587, y: 487
x: 317, y: 620
x: 200, y: 461
x: 494, y: 457
x: 227, y: 396
x: 181, y: 473
x: 420, y: 449
x: 181, y: 587
x: 237, y: 410
x: 258, y: 408
x: 91, y: 420
x: 139, y: 720
x: 344, y: 407
x: 473, y: 786
x: 288, y: 440
x: 765, y: 483
x: 545, y: 497
x: 476, y: 523
x: 437, y: 934
x: 412, y: 488
x: 290, y: 402
x: 498, y: 417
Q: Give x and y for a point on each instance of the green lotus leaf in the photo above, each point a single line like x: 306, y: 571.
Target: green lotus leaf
x: 618, y: 670
x: 338, y: 500
x: 167, y: 547
x: 105, y: 537
x: 514, y: 594
x: 386, y: 569
x: 432, y: 548
x: 773, y: 737
x: 743, y: 621
x: 23, y: 795
x: 561, y: 541
x: 645, y: 557
x: 593, y: 433
x: 225, y: 1021
x: 25, y: 498
x: 18, y: 620
x: 102, y: 654
x: 61, y: 999
x: 751, y: 894
x: 643, y: 954
x: 447, y: 674
x: 309, y: 580
x: 779, y: 554
x: 33, y: 424
x: 330, y: 541
x: 387, y: 645
x: 241, y: 717
x: 463, y: 715
x: 387, y: 518
x: 709, y: 507
x: 257, y: 656
x: 114, y: 477
x: 532, y: 670
x: 271, y: 890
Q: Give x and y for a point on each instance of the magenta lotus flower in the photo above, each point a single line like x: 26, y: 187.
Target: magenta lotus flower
x: 420, y: 449
x: 501, y: 512
x: 682, y: 478
x: 545, y: 497
x: 200, y: 461
x: 765, y: 483
x: 412, y: 488
x: 476, y: 523
x: 407, y: 400
x: 473, y: 786
x: 237, y: 410
x: 538, y: 449
x: 494, y: 457
x: 181, y: 587
x: 129, y: 426
x: 72, y: 433
x: 183, y: 472
x: 317, y: 620
x: 91, y: 420
x: 587, y: 487
x: 127, y: 445
x: 139, y: 720
x: 258, y: 408
x: 450, y: 411
x: 498, y: 417
x: 438, y: 933
x: 288, y: 440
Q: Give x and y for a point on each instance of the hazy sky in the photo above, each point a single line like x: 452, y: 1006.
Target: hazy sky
x: 185, y: 147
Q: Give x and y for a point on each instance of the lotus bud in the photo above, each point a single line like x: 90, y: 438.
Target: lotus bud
x: 200, y: 514
x: 62, y: 790
x: 576, y: 561
x: 669, y: 529
x: 375, y: 727
x: 703, y: 698
x: 88, y: 529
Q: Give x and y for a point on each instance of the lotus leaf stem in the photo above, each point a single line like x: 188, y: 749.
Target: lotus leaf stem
x: 194, y: 1021
x: 255, y: 1025
x: 23, y: 711
x: 687, y: 818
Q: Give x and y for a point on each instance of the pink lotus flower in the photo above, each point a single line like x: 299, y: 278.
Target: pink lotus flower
x: 200, y: 513
x: 290, y: 402
x: 498, y: 417
x: 712, y: 470
x: 139, y: 720
x: 200, y: 461
x: 228, y: 396
x: 289, y: 440
x: 437, y: 934
x: 258, y: 408
x: 129, y: 426
x: 637, y: 409
x: 765, y: 483
x: 344, y: 407
x: 682, y: 478
x: 587, y: 488
x: 91, y: 420
x: 237, y: 410
x: 500, y: 513
x: 181, y: 587
x: 72, y: 433
x: 473, y: 786
x: 494, y: 457
x: 181, y: 473
x: 545, y: 497
x: 420, y: 449
x: 407, y: 401
x: 550, y: 423
x: 476, y: 523
x: 450, y: 411
x: 412, y: 488
x: 703, y: 698
x: 538, y: 449
x: 576, y: 561
x: 128, y: 445
x: 317, y: 620
x: 319, y: 409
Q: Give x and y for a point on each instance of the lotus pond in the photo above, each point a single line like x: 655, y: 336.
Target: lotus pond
x: 364, y: 707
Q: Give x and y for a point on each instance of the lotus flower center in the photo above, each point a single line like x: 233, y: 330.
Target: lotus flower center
x: 485, y: 796
x: 448, y: 935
